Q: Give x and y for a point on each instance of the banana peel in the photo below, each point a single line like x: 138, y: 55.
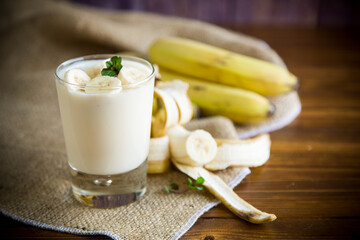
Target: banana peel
x: 226, y: 195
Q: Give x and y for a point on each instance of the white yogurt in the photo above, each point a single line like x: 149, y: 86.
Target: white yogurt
x: 106, y: 133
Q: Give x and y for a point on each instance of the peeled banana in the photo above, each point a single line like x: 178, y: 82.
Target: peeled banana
x: 239, y: 105
x: 252, y: 152
x: 221, y: 66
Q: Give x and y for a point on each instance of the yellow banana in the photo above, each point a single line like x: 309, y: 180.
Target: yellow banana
x: 221, y: 66
x: 239, y: 105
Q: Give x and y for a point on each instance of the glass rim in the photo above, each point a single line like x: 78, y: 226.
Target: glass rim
x: 104, y: 57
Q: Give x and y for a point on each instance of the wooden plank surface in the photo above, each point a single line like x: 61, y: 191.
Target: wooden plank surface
x: 312, y: 180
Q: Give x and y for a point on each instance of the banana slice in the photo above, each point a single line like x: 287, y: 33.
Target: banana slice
x: 166, y: 116
x: 95, y: 70
x: 178, y: 90
x: 226, y: 195
x: 76, y: 76
x: 252, y: 152
x: 103, y: 84
x: 129, y: 75
x: 194, y: 148
x: 159, y: 155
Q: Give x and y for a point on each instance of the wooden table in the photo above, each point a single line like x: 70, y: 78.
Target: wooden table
x: 312, y: 180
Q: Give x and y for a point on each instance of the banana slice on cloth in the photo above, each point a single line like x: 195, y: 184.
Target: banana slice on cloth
x: 76, y: 76
x: 226, y: 195
x: 103, y: 84
x: 251, y: 152
x: 167, y: 115
x: 194, y: 148
x: 178, y: 90
x: 159, y: 155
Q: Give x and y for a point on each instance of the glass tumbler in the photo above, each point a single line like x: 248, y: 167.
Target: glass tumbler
x: 107, y: 133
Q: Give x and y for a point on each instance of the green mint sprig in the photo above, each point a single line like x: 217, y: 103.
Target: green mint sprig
x: 198, y: 183
x: 174, y: 188
x: 113, y: 67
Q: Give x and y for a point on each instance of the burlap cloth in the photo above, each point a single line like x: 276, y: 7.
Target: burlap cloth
x: 36, y: 36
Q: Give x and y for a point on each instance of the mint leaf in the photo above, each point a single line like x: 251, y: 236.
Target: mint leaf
x: 113, y: 67
x: 197, y: 185
x: 167, y: 189
x: 174, y: 188
x: 109, y: 64
x: 199, y: 181
x: 116, y: 60
x: 108, y: 72
x: 190, y: 182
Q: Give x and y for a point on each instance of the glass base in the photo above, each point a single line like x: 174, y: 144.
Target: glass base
x: 107, y: 191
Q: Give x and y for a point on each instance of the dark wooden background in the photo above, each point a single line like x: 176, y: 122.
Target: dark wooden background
x: 248, y: 12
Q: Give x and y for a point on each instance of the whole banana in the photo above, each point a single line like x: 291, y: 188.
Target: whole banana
x: 221, y: 66
x: 239, y: 105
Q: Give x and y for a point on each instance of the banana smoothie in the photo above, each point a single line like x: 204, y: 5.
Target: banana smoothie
x: 105, y: 106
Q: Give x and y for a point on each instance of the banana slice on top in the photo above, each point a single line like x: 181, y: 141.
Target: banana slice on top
x: 103, y: 84
x: 129, y: 75
x: 95, y: 70
x: 78, y: 77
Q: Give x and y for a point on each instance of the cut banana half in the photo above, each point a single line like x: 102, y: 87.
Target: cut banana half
x: 159, y: 155
x: 178, y: 90
x: 226, y: 195
x: 194, y: 148
x: 103, y: 84
x: 166, y: 116
x: 76, y: 76
x: 252, y: 152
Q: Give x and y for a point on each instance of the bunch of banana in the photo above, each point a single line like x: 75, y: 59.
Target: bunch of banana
x: 193, y: 151
x: 237, y: 80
